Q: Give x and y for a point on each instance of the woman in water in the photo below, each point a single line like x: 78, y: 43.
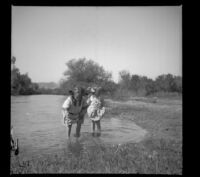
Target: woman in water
x: 74, y: 109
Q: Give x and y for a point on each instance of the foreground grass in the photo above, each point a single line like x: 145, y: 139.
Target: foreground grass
x: 153, y: 156
x: 159, y: 153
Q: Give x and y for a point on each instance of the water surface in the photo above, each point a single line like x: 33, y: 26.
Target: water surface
x: 37, y: 125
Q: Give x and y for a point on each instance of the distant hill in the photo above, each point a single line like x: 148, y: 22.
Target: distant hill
x: 47, y: 85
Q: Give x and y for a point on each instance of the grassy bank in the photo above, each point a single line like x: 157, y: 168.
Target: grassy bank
x: 159, y: 153
x: 152, y: 156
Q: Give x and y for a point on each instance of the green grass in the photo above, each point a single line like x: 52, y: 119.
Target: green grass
x: 159, y: 153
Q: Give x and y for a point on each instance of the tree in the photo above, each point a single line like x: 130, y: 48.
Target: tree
x: 176, y: 85
x: 164, y: 82
x: 25, y: 83
x: 150, y: 87
x: 21, y: 83
x: 15, y: 76
x: 83, y: 72
x: 135, y: 83
x: 108, y: 87
x: 125, y: 79
x: 169, y: 83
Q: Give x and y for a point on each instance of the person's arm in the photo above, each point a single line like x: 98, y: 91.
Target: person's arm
x: 88, y: 101
x: 102, y: 102
x: 84, y: 108
x: 66, y: 106
x: 83, y: 112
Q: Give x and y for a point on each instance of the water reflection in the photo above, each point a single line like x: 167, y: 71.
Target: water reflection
x: 75, y: 147
x: 84, y: 145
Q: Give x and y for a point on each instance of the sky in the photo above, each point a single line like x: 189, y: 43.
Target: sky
x: 142, y: 40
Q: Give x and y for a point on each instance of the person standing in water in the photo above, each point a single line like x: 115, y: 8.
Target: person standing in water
x: 96, y: 109
x: 74, y: 109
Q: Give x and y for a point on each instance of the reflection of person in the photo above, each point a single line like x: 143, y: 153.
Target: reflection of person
x: 96, y: 109
x: 74, y: 109
x: 75, y: 148
x: 11, y: 138
x: 14, y: 144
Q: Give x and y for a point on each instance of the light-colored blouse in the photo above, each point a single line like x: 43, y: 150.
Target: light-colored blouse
x: 71, y: 108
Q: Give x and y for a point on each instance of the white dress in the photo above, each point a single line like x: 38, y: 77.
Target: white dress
x: 95, y: 111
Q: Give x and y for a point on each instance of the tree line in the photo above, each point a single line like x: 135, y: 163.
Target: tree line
x: 85, y: 72
x: 21, y: 84
x: 146, y: 86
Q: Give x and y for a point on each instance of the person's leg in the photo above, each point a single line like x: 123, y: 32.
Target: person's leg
x: 69, y: 130
x: 98, y: 128
x: 63, y: 117
x: 78, y: 129
x: 93, y: 127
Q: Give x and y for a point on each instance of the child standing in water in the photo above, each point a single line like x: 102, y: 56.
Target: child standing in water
x: 96, y: 109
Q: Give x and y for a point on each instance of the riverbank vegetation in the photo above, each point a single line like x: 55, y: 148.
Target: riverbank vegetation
x: 88, y: 73
x: 21, y: 84
x: 84, y: 72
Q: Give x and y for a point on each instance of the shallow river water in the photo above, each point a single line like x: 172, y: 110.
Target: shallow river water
x: 37, y: 124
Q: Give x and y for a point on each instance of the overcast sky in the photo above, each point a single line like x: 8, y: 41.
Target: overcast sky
x: 143, y: 40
